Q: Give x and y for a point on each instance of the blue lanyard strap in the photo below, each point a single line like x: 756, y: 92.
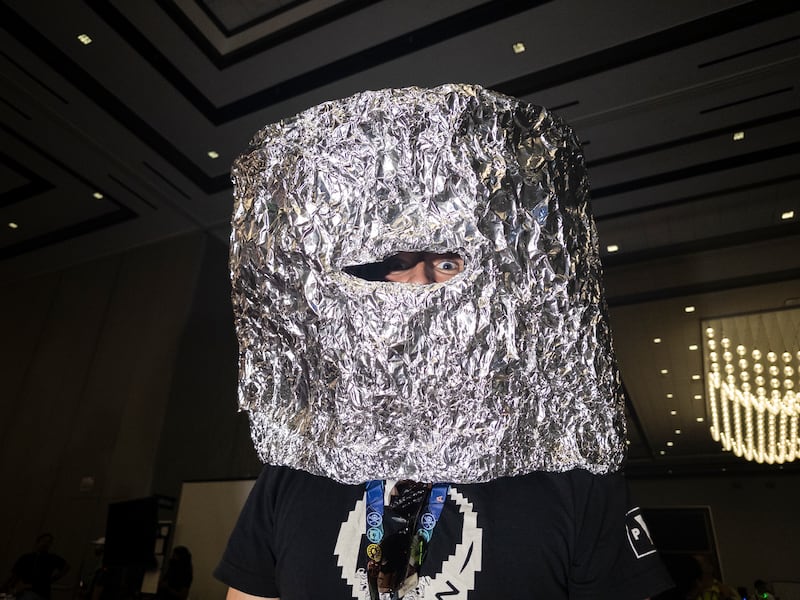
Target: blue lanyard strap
x: 430, y: 517
x: 375, y: 511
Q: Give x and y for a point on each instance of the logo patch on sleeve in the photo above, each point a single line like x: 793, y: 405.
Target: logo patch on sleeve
x: 638, y: 533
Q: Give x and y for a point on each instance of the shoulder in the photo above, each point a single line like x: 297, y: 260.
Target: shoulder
x: 280, y: 484
x: 570, y: 487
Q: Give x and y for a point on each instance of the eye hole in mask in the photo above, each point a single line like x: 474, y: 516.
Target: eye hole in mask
x: 411, y: 267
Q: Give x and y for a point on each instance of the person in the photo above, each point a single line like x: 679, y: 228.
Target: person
x: 177, y: 580
x: 709, y: 586
x: 764, y: 590
x: 34, y: 573
x: 426, y: 360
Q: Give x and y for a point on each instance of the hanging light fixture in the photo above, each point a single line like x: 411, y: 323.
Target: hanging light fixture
x: 753, y: 402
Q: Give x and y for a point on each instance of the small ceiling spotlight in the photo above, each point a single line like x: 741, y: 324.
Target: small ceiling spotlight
x: 213, y: 154
x: 670, y: 396
x: 699, y: 419
x: 689, y: 309
x: 738, y: 136
x: 695, y: 377
x: 84, y: 39
x: 664, y: 371
x: 693, y: 347
x: 698, y: 397
x: 662, y: 452
x: 518, y: 47
x: 656, y: 340
x: 677, y: 432
x: 13, y: 225
x: 673, y: 412
x: 97, y: 196
x: 787, y: 215
x: 611, y: 248
x: 670, y: 444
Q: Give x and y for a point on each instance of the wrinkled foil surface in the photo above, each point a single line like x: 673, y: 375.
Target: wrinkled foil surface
x: 505, y: 369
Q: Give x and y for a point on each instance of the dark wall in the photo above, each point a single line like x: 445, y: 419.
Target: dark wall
x: 118, y: 382
x: 204, y: 437
x: 754, y: 518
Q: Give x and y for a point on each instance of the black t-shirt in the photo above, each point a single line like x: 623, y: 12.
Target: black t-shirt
x: 541, y: 535
x: 36, y: 569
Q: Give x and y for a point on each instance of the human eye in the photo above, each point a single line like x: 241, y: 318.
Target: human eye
x: 447, y: 265
x: 450, y: 266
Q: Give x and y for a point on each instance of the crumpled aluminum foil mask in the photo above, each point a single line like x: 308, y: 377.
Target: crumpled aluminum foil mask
x: 505, y: 369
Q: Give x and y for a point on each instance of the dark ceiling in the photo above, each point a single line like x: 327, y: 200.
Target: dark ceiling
x: 105, y: 145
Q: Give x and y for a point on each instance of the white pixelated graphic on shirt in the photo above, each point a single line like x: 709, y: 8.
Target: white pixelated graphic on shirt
x: 453, y: 582
x: 638, y: 534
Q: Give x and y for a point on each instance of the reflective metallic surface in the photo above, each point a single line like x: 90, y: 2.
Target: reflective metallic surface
x: 504, y: 369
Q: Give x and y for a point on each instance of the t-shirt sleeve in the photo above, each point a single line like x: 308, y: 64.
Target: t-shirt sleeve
x: 248, y: 563
x: 614, y: 554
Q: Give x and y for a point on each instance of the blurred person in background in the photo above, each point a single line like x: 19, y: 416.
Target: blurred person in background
x: 34, y: 573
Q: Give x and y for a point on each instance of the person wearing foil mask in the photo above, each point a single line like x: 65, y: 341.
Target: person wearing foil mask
x: 426, y: 359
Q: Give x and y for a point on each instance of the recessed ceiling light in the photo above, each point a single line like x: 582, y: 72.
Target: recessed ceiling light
x: 518, y: 47
x: 699, y: 419
x: 677, y: 432
x: 738, y: 136
x: 688, y: 309
x: 628, y: 442
x: 656, y: 340
x: 662, y: 452
x: 787, y: 215
x: 693, y: 347
x: 673, y: 412
x: 670, y: 444
x: 664, y: 371
x: 670, y: 396
x: 612, y: 248
x: 84, y: 39
x: 13, y: 225
x: 698, y: 397
x: 98, y: 195
x: 213, y: 154
x: 695, y: 377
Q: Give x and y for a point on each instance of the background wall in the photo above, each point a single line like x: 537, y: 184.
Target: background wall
x: 119, y: 382
x: 755, y: 519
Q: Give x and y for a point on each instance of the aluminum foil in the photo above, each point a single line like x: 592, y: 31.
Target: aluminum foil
x: 505, y: 369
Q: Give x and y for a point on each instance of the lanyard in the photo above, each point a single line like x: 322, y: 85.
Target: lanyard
x: 374, y: 524
x: 433, y: 511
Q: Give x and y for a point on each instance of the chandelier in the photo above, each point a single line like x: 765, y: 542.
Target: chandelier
x: 752, y: 364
